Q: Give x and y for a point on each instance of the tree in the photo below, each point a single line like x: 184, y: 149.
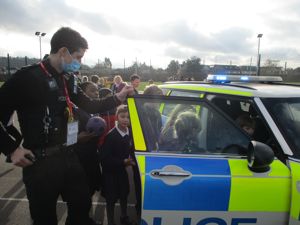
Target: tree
x: 191, y: 68
x: 173, y: 68
x: 107, y: 63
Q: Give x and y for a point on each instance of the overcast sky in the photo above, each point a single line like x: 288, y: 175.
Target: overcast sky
x: 158, y: 31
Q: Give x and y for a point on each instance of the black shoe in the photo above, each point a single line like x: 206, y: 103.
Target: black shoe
x: 126, y: 221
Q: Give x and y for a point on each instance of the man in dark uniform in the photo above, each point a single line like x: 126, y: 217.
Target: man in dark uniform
x: 45, y: 97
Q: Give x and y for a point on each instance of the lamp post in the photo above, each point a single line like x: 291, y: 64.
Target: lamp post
x: 40, y: 35
x: 259, y: 36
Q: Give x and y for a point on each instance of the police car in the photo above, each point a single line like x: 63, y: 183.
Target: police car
x: 227, y: 177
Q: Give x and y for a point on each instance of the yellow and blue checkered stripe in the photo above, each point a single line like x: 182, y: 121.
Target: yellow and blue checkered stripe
x: 295, y: 203
x: 225, y: 186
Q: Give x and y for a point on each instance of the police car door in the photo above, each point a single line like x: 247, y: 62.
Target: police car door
x: 283, y: 115
x: 197, y: 173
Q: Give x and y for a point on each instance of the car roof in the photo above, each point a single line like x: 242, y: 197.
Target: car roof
x: 250, y: 89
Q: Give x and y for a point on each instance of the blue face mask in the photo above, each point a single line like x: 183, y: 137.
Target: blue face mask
x: 72, y: 67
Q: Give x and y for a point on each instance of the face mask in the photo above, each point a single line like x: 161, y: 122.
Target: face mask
x: 74, y: 66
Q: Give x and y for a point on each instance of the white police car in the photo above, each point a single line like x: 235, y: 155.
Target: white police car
x: 202, y: 168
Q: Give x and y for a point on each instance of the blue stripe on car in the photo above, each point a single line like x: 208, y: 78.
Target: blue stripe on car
x: 207, y: 190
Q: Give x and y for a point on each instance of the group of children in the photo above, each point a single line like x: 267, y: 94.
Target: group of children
x: 113, y: 150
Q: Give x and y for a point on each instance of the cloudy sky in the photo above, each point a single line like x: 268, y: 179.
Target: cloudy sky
x: 158, y: 31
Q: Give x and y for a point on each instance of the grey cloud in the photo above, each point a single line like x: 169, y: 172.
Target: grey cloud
x: 284, y: 21
x: 283, y: 29
x: 46, y: 15
x: 179, y: 53
x: 177, y: 32
x: 182, y: 40
x: 12, y: 14
x: 225, y: 59
x: 234, y: 40
x: 94, y: 22
x: 230, y: 41
x: 281, y: 54
x: 180, y: 33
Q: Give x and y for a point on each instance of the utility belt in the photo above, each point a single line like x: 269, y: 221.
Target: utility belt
x: 52, y: 150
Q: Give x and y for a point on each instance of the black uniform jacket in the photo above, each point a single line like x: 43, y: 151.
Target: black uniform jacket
x: 29, y: 92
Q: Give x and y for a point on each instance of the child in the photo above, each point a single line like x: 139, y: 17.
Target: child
x: 117, y: 154
x: 86, y: 147
x: 118, y: 84
x: 153, y: 118
x: 246, y: 123
x: 108, y: 116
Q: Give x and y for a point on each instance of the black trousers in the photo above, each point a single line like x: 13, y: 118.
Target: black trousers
x: 50, y: 177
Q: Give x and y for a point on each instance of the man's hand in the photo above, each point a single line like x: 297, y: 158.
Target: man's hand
x: 22, y: 157
x: 127, y: 90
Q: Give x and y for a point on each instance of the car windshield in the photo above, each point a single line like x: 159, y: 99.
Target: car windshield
x: 286, y: 114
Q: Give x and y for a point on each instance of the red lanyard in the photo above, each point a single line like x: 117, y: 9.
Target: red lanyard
x: 68, y: 100
x: 45, y: 70
x: 69, y: 103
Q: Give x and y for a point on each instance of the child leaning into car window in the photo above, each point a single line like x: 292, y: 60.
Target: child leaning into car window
x: 117, y: 154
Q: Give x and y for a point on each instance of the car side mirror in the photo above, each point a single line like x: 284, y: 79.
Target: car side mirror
x: 260, y: 156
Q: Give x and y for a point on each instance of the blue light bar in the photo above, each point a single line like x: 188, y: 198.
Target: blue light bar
x: 221, y: 77
x: 244, y: 78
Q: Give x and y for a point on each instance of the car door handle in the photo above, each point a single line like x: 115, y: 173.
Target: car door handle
x: 169, y: 173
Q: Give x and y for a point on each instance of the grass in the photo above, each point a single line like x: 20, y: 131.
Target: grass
x: 144, y: 84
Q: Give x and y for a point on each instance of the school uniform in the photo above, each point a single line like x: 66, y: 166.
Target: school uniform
x: 117, y: 146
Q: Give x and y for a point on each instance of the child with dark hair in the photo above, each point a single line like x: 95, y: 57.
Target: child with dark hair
x: 135, y: 82
x: 117, y: 154
x: 186, y: 127
x: 86, y: 147
x: 95, y: 79
x: 152, y: 117
x: 108, y: 116
x: 246, y: 123
x: 168, y: 132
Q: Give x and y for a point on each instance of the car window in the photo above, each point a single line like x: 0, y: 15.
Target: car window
x: 237, y: 108
x: 233, y: 107
x: 185, y: 93
x: 243, y: 112
x: 190, y: 128
x: 167, y: 108
x: 286, y: 114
